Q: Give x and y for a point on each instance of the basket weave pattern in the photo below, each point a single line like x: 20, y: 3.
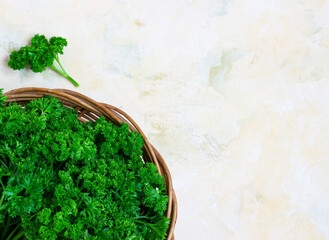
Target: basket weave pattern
x: 90, y: 110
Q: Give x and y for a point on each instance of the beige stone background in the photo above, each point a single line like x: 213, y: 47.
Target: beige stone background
x: 233, y: 93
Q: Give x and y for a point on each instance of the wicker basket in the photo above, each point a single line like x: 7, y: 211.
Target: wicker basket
x: 90, y: 110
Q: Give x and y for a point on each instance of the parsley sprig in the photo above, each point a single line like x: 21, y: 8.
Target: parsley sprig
x: 40, y: 55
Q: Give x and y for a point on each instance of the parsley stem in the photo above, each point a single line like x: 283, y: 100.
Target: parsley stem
x: 4, y: 164
x: 2, y: 199
x: 12, y: 233
x: 3, y: 187
x: 18, y: 236
x: 71, y: 79
x: 59, y: 63
x: 144, y: 217
x: 4, y: 233
x: 65, y: 75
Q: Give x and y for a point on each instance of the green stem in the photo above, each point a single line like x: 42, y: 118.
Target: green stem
x: 6, y: 229
x: 33, y: 215
x: 68, y: 76
x: 3, y: 186
x: 12, y: 233
x: 4, y: 164
x: 65, y: 75
x: 18, y: 236
x: 145, y: 217
x: 73, y: 81
x: 59, y: 63
x: 1, y: 200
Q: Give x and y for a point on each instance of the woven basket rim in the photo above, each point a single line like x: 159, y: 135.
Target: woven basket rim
x: 89, y: 110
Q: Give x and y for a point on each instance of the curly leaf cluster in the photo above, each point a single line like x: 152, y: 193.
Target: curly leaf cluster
x: 63, y: 179
x: 40, y: 55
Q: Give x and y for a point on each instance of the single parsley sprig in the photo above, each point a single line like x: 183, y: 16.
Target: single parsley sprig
x: 40, y: 55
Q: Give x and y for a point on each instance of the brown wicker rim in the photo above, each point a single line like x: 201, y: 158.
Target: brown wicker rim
x: 90, y: 110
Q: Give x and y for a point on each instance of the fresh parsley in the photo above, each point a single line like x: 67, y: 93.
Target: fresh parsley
x: 63, y: 179
x: 40, y: 55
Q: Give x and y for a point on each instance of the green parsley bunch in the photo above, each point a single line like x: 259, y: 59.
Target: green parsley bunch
x: 63, y: 179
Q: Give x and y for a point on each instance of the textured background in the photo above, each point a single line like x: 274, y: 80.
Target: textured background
x: 233, y: 93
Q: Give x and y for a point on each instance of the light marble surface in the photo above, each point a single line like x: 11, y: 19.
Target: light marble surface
x: 233, y: 93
